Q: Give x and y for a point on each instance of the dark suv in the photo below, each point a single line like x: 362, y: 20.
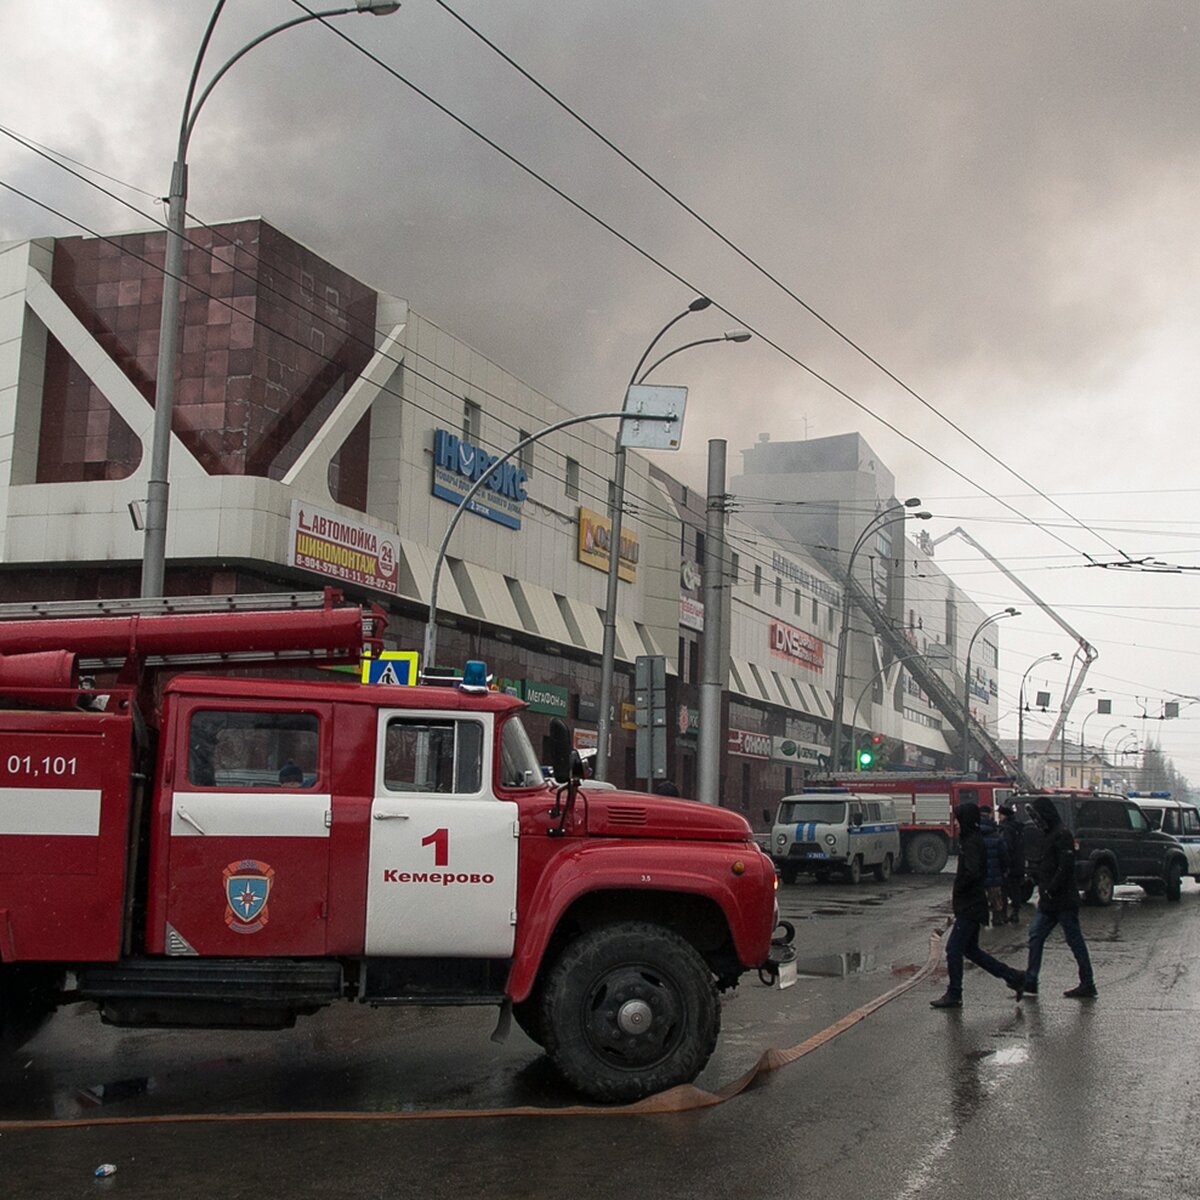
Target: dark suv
x: 1114, y: 843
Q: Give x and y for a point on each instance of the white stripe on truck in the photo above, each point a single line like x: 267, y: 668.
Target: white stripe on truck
x: 50, y: 812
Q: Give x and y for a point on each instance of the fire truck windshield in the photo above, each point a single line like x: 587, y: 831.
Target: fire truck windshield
x: 519, y: 766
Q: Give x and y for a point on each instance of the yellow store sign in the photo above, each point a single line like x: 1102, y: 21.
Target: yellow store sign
x: 595, y: 534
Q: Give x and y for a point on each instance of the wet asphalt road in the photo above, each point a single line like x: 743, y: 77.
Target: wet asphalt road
x: 1051, y: 1098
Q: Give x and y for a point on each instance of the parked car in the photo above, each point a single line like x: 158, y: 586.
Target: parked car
x: 1180, y: 820
x: 1114, y: 843
x: 823, y: 831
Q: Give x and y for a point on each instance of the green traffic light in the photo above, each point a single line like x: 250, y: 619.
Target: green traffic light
x: 865, y: 759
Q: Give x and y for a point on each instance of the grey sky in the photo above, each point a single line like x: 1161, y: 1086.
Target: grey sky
x: 997, y: 201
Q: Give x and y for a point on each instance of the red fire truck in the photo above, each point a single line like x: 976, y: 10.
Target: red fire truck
x: 925, y: 809
x: 236, y: 850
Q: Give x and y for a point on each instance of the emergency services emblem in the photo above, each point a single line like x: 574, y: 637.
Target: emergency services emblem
x: 247, y: 887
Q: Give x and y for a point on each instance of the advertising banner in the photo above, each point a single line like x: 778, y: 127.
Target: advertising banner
x: 749, y: 744
x: 546, y: 698
x: 343, y: 549
x: 797, y: 646
x: 691, y: 613
x: 457, y: 465
x: 807, y: 754
x: 595, y: 532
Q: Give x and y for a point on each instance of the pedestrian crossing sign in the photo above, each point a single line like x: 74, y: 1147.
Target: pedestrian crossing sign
x: 395, y: 668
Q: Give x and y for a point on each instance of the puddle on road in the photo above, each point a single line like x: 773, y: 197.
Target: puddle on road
x: 1007, y: 1056
x: 112, y: 1093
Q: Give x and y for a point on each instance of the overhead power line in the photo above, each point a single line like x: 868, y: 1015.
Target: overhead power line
x: 763, y: 271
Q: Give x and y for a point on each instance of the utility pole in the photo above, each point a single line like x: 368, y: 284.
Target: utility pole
x: 712, y: 659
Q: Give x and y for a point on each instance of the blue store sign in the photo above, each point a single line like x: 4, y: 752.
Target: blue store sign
x: 457, y: 464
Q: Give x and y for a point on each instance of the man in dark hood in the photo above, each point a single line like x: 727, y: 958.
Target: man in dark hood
x: 1013, y: 834
x: 970, y: 912
x: 1058, y: 900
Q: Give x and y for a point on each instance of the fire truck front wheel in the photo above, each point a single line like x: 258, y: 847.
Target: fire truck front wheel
x: 628, y: 1010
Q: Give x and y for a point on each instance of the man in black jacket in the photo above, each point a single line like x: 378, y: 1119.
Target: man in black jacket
x: 1058, y: 900
x: 1012, y: 832
x: 970, y: 912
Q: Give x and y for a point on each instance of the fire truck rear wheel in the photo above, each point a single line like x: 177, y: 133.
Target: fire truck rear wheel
x: 628, y: 1010
x: 26, y: 1001
x: 926, y: 854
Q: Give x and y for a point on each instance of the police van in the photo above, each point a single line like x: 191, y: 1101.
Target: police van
x: 1180, y: 820
x: 830, y: 830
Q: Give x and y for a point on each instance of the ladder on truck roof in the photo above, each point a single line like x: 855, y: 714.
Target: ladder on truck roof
x: 967, y: 777
x: 190, y: 630
x: 141, y: 606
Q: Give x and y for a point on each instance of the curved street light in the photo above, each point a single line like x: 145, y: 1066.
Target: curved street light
x: 966, y: 712
x: 1055, y: 657
x: 1107, y: 734
x: 608, y: 650
x: 879, y: 521
x: 154, y: 545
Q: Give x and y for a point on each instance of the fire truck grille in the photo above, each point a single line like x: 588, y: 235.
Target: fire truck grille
x: 626, y: 815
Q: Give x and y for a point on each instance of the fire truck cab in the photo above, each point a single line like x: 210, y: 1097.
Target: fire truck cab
x: 238, y: 850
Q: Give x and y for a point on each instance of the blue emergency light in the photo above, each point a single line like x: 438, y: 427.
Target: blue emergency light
x: 474, y: 676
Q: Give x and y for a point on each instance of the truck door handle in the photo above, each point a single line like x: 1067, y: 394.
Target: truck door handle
x: 389, y: 816
x: 184, y: 815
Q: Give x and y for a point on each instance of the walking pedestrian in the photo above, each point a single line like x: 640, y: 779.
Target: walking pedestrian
x: 1058, y: 901
x: 997, y: 865
x: 1012, y: 833
x: 970, y: 912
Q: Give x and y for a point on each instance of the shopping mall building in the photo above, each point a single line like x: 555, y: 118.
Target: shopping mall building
x: 324, y: 433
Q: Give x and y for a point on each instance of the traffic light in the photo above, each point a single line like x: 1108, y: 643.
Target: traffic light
x: 867, y: 755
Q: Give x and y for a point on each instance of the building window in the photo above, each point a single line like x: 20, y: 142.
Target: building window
x: 796, y: 603
x: 758, y: 581
x: 816, y: 612
x: 699, y: 545
x: 525, y: 456
x: 572, y: 479
x: 734, y: 563
x: 778, y: 592
x: 472, y: 422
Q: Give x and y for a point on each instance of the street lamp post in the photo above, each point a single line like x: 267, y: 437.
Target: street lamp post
x: 1107, y: 734
x: 966, y: 711
x: 154, y: 546
x: 1082, y: 728
x: 608, y: 650
x: 880, y: 521
x: 1055, y: 657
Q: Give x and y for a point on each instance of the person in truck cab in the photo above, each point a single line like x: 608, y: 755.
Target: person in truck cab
x: 1058, y: 901
x: 290, y: 774
x: 971, y: 912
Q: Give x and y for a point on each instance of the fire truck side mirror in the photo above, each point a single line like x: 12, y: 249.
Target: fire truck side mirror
x: 566, y: 763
